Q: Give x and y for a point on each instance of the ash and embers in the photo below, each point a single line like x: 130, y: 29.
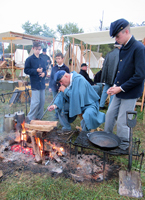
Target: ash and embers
x: 79, y: 168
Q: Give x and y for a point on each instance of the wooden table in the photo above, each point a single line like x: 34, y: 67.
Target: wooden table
x: 8, y: 69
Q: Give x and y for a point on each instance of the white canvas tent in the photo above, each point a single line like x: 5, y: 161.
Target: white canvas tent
x: 76, y: 60
x: 22, y: 39
x: 20, y: 56
x: 103, y: 37
x: 96, y: 60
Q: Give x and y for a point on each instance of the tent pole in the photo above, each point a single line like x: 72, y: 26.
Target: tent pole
x: 3, y: 51
x: 23, y: 54
x: 81, y: 55
x: 53, y: 51
x: 14, y: 51
x: 76, y: 57
x: 62, y: 45
x: 22, y: 60
x: 89, y: 59
x: 12, y: 61
x: 72, y: 56
x: 86, y: 53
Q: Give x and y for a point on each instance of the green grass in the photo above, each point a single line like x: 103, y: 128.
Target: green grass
x: 25, y: 185
x: 95, y: 70
x: 46, y: 187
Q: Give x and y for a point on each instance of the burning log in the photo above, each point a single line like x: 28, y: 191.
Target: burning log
x: 39, y: 134
x: 55, y: 157
x: 47, y: 147
x: 37, y: 153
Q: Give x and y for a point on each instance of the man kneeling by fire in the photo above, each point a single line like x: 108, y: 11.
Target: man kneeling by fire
x: 77, y: 97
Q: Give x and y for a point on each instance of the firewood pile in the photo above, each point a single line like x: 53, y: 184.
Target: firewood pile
x: 37, y: 131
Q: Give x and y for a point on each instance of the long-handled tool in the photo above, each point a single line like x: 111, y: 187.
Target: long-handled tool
x: 130, y: 182
x: 49, y: 105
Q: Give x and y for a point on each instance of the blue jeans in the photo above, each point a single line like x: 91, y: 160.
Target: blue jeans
x: 98, y: 88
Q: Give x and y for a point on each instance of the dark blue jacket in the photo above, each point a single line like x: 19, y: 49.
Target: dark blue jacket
x: 52, y: 84
x: 45, y: 57
x: 86, y: 76
x: 131, y: 70
x: 31, y: 65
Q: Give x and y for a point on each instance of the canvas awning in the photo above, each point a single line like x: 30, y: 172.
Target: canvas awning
x: 23, y: 39
x: 103, y: 37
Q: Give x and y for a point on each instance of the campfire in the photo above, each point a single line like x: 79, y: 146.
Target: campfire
x: 42, y: 143
x: 33, y: 138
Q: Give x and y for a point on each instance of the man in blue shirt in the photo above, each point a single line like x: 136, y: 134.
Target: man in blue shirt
x: 35, y: 68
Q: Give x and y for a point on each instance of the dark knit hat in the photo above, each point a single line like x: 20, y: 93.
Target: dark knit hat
x: 117, y: 26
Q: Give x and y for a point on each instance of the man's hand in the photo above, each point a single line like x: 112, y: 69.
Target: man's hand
x: 50, y: 90
x: 51, y: 108
x: 113, y: 90
x: 39, y: 70
x: 62, y: 88
x: 41, y: 74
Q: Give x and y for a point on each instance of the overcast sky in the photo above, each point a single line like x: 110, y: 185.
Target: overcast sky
x: 86, y: 14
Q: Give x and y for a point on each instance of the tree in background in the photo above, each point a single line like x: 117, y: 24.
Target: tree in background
x: 36, y: 29
x: 69, y: 28
x: 33, y: 29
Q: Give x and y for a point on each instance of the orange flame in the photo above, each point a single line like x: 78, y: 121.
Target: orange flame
x: 24, y: 135
x: 58, y: 150
x: 23, y: 128
x: 39, y: 143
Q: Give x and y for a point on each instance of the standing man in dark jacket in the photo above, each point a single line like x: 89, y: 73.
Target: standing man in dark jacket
x: 109, y: 70
x: 35, y: 68
x: 83, y: 72
x: 129, y: 81
x: 46, y: 58
x: 53, y: 85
